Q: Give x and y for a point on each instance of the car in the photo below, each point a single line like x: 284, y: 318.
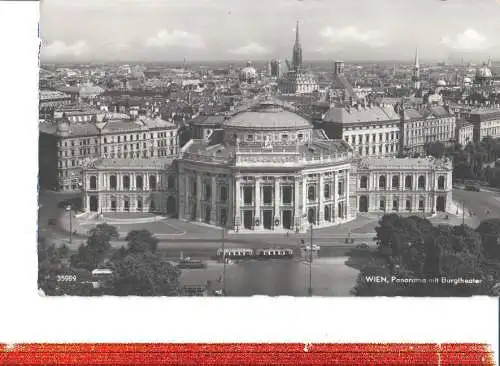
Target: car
x: 472, y: 188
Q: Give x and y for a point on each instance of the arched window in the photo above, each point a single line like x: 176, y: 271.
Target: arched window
x: 382, y: 182
x: 408, y: 182
x: 441, y: 182
x: 363, y: 183
x: 139, y: 182
x: 208, y: 191
x: 93, y: 182
x: 395, y: 182
x: 171, y: 182
x: 139, y: 204
x: 421, y: 182
x: 112, y: 182
x: 126, y: 182
x: 327, y: 213
x: 152, y: 182
x: 311, y: 192
x: 327, y: 190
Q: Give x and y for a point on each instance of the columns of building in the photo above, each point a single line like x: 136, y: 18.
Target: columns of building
x: 321, y: 211
x: 237, y: 202
x: 346, y: 192
x: 198, y: 198
x: 213, y: 196
x: 296, y: 206
x: 277, y: 202
x: 257, y: 215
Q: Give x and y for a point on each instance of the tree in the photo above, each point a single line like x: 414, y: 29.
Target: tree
x: 436, y: 149
x: 139, y: 270
x: 91, y: 255
x: 489, y: 230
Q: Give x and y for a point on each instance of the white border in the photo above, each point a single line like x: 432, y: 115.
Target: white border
x: 26, y: 317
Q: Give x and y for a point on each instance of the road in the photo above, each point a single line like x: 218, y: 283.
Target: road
x: 479, y: 203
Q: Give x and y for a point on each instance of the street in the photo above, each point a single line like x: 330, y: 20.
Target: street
x: 479, y: 203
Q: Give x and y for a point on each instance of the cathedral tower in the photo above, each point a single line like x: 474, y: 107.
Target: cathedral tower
x: 416, y: 73
x: 297, y: 51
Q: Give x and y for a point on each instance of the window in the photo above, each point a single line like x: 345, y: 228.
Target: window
x: 139, y: 204
x: 363, y: 183
x: 208, y: 191
x: 112, y: 182
x: 287, y: 195
x: 408, y: 182
x: 223, y: 193
x: 311, y: 192
x: 441, y: 181
x: 395, y: 205
x: 421, y: 182
x: 382, y: 182
x: 327, y: 213
x: 395, y: 182
x: 113, y: 204
x: 247, y: 195
x: 93, y: 182
x: 126, y: 182
x: 139, y: 182
x: 152, y: 182
x: 126, y: 205
x: 249, y: 137
x: 267, y: 193
x: 421, y: 204
x: 327, y: 190
x: 223, y: 216
x: 171, y: 182
x: 382, y: 204
x: 408, y: 204
x: 341, y: 188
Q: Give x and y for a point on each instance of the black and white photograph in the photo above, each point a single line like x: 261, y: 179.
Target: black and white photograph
x: 232, y: 148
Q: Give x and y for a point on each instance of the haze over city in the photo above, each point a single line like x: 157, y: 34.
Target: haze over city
x: 171, y: 30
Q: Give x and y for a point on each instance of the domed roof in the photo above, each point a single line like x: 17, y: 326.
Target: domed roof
x: 268, y: 117
x: 248, y: 71
x: 467, y: 80
x: 441, y: 83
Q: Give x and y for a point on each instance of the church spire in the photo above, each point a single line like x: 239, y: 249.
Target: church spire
x: 416, y: 72
x: 297, y: 50
x: 417, y: 62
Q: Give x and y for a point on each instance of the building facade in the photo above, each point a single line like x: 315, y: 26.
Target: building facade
x: 65, y: 147
x: 486, y: 123
x: 371, y: 130
x: 425, y: 125
x: 268, y: 170
x: 404, y: 186
x: 464, y: 132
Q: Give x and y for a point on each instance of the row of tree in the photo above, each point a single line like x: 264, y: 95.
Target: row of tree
x: 472, y: 161
x: 414, y: 256
x: 137, y: 268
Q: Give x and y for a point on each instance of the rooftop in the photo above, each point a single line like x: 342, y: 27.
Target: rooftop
x: 361, y: 114
x: 402, y: 163
x: 129, y: 164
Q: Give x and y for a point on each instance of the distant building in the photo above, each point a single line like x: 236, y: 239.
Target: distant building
x: 50, y: 100
x: 464, y: 132
x: 416, y: 74
x: 486, y: 123
x: 371, y: 130
x: 248, y: 74
x: 420, y: 126
x: 276, y: 68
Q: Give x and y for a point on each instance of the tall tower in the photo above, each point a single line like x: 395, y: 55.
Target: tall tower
x: 297, y: 51
x: 416, y: 72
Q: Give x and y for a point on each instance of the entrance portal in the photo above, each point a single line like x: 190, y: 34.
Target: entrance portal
x: 311, y: 215
x: 287, y: 219
x: 94, y: 205
x: 247, y: 219
x: 363, y: 204
x: 207, y: 214
x: 441, y: 204
x: 268, y: 219
x: 171, y: 205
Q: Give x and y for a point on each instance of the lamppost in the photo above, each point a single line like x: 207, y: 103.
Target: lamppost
x: 68, y: 209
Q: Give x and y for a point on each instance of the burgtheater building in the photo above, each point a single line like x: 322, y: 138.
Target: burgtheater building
x: 268, y: 169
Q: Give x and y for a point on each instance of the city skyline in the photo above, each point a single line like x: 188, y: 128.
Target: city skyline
x: 169, y: 31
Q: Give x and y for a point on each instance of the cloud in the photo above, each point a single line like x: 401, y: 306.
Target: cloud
x: 252, y: 48
x: 58, y: 49
x: 350, y: 35
x: 469, y: 40
x: 179, y: 38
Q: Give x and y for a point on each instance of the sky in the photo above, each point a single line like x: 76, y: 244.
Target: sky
x: 171, y: 30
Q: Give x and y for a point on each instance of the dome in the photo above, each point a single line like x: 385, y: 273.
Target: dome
x: 467, y: 80
x: 248, y: 73
x: 441, y: 83
x: 268, y: 117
